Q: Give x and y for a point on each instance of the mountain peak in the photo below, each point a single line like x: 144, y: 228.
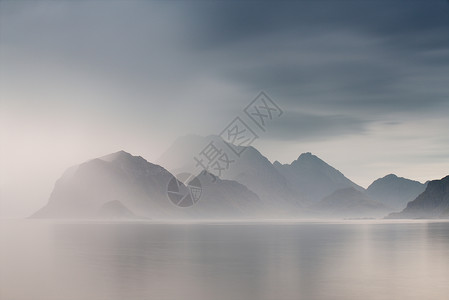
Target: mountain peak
x: 307, y: 155
x: 390, y: 176
x: 312, y: 177
x: 309, y: 159
x: 395, y: 191
x: 276, y: 163
x: 123, y: 156
x: 394, y: 178
x: 116, y: 156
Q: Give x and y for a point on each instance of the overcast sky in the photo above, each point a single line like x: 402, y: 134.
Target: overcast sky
x: 363, y: 84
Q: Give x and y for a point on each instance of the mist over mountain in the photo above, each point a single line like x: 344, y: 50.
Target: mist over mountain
x: 395, y: 191
x: 313, y: 178
x: 303, y: 182
x: 179, y: 157
x: 349, y: 203
x: 432, y: 203
x: 251, y: 169
x: 122, y: 185
x: 115, y: 210
x: 84, y: 189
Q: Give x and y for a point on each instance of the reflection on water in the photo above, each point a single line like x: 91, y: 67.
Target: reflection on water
x: 359, y: 260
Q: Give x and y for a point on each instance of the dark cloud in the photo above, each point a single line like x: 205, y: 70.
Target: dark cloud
x: 361, y: 58
x: 226, y: 22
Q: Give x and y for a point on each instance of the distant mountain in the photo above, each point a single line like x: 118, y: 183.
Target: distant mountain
x: 349, y: 203
x: 256, y: 172
x: 122, y: 185
x: 313, y: 178
x: 251, y: 169
x: 432, y: 203
x: 131, y: 180
x: 394, y: 191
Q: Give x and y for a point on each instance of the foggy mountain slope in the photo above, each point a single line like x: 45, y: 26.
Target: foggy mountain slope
x: 134, y: 184
x: 120, y: 185
x: 313, y: 178
x: 227, y: 199
x: 349, y: 203
x: 179, y: 157
x: 256, y: 171
x: 115, y: 210
x: 432, y: 203
x: 395, y: 191
x: 251, y: 169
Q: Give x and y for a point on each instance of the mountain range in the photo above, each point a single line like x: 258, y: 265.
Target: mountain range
x: 135, y: 186
x: 432, y: 203
x: 251, y: 169
x: 120, y: 185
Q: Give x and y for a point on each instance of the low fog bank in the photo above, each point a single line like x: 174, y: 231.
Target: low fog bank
x: 121, y: 186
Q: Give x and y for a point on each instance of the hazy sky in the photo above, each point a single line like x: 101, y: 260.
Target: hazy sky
x: 364, y: 84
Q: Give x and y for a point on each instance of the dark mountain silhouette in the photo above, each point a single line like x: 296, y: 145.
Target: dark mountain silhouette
x: 432, y: 203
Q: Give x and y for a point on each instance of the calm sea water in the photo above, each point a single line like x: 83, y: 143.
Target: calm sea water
x: 347, y: 260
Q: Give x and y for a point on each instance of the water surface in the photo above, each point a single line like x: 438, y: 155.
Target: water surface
x: 341, y: 260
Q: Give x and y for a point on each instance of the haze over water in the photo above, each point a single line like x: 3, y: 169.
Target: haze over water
x: 306, y: 260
